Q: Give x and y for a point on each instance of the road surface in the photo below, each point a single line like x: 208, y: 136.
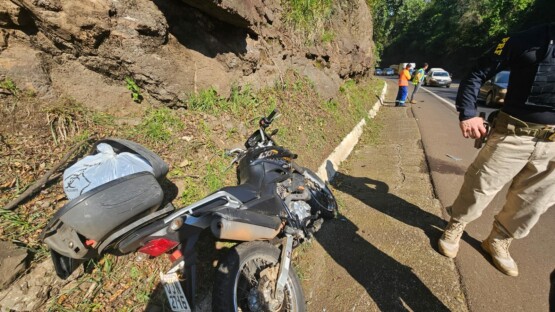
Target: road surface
x: 448, y: 155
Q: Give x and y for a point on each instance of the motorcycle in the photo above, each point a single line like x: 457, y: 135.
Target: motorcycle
x: 275, y: 206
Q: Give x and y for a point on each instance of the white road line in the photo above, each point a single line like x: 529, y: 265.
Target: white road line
x: 439, y: 98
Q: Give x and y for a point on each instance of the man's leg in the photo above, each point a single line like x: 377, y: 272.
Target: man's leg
x: 399, y: 94
x: 404, y: 93
x: 416, y: 87
x: 497, y: 163
x: 531, y: 193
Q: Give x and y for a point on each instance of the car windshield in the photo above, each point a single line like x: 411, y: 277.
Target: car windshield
x: 502, y: 77
x: 440, y: 74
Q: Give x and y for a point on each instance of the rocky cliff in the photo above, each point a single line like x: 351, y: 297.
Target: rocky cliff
x: 172, y: 48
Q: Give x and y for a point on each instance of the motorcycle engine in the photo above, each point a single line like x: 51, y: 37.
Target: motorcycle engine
x: 300, y: 208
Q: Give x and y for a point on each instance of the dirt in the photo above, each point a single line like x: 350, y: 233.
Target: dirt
x: 36, y: 134
x: 380, y: 253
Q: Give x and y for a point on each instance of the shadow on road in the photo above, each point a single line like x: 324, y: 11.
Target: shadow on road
x: 392, y: 285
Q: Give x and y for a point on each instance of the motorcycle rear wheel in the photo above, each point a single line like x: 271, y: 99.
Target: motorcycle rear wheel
x: 238, y: 282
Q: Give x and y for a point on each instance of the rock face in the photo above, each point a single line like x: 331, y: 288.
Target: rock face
x: 171, y: 48
x: 12, y: 263
x: 31, y: 292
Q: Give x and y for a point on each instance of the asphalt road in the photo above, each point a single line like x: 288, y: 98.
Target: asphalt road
x: 448, y: 155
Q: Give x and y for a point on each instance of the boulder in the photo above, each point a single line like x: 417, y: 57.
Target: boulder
x: 12, y: 263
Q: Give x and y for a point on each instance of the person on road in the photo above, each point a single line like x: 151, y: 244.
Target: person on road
x: 417, y: 80
x: 404, y: 77
x: 520, y: 148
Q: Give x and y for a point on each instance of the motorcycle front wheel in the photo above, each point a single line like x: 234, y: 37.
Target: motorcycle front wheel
x: 246, y: 278
x: 322, y: 199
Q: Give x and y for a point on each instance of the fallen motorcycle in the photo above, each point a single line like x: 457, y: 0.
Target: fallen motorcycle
x: 276, y: 205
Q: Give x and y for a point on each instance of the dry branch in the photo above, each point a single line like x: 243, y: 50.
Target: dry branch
x: 45, y: 179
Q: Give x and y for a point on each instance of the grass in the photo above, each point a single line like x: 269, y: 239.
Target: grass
x: 159, y: 124
x: 309, y: 18
x: 9, y: 84
x: 66, y: 119
x: 309, y: 126
x: 209, y: 101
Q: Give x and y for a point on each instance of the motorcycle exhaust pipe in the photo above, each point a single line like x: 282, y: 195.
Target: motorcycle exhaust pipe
x: 234, y: 230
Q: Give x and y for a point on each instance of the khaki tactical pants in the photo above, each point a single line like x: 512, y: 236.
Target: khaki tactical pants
x: 525, y: 160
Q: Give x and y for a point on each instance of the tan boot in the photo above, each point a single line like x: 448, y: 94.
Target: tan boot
x: 497, y: 245
x: 449, y: 241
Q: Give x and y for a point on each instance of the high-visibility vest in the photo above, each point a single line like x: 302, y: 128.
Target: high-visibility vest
x: 404, y: 78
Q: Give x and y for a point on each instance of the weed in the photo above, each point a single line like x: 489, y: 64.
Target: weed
x: 135, y: 90
x: 9, y: 85
x: 331, y: 106
x: 191, y: 191
x: 327, y: 36
x: 159, y: 125
x: 308, y: 16
x: 103, y: 119
x: 242, y: 98
x: 213, y: 178
x: 205, y: 101
x: 66, y: 119
x: 13, y: 222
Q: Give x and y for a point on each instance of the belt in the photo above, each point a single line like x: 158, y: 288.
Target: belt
x: 508, y: 124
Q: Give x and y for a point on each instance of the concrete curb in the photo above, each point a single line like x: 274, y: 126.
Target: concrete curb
x: 329, y: 167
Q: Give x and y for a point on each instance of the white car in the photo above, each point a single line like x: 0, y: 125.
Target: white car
x: 437, y: 77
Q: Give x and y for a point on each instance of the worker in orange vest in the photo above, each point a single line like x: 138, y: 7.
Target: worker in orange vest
x: 404, y: 78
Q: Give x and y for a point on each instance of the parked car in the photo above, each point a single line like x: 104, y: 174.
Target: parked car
x: 378, y: 72
x: 389, y: 71
x: 493, y: 91
x: 438, y: 78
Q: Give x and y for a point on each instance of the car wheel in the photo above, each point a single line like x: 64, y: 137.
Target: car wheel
x: 489, y: 99
x: 448, y: 86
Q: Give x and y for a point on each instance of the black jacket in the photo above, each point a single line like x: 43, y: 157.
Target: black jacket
x: 519, y: 53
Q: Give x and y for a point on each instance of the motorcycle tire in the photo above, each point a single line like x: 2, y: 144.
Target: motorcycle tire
x: 323, y: 199
x: 238, y: 279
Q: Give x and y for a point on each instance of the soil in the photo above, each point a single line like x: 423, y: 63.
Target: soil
x: 36, y: 134
x: 380, y: 253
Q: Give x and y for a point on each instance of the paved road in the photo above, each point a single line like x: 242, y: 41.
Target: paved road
x: 448, y: 155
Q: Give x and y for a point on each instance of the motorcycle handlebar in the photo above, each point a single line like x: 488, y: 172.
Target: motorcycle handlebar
x: 266, y: 121
x: 273, y: 114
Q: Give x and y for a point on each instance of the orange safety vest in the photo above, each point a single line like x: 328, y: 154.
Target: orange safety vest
x: 404, y: 78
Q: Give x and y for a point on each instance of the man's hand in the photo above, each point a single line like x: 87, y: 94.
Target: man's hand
x: 473, y: 128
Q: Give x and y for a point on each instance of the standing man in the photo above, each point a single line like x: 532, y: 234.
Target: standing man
x: 417, y: 80
x: 404, y: 77
x: 520, y: 149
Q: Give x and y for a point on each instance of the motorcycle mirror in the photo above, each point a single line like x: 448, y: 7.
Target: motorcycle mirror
x: 274, y: 132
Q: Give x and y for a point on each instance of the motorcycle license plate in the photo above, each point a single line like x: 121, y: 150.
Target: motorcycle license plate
x: 174, y: 292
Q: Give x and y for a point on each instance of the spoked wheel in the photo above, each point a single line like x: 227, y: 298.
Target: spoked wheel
x: 246, y: 279
x: 322, y: 199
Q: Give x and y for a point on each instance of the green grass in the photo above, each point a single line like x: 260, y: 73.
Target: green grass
x: 103, y: 119
x: 9, y: 84
x: 327, y: 36
x: 304, y: 127
x: 209, y: 101
x: 309, y: 17
x: 159, y: 125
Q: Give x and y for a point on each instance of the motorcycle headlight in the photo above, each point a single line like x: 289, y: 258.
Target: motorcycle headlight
x: 502, y: 91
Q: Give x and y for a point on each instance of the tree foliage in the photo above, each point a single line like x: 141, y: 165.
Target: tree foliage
x: 449, y: 33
